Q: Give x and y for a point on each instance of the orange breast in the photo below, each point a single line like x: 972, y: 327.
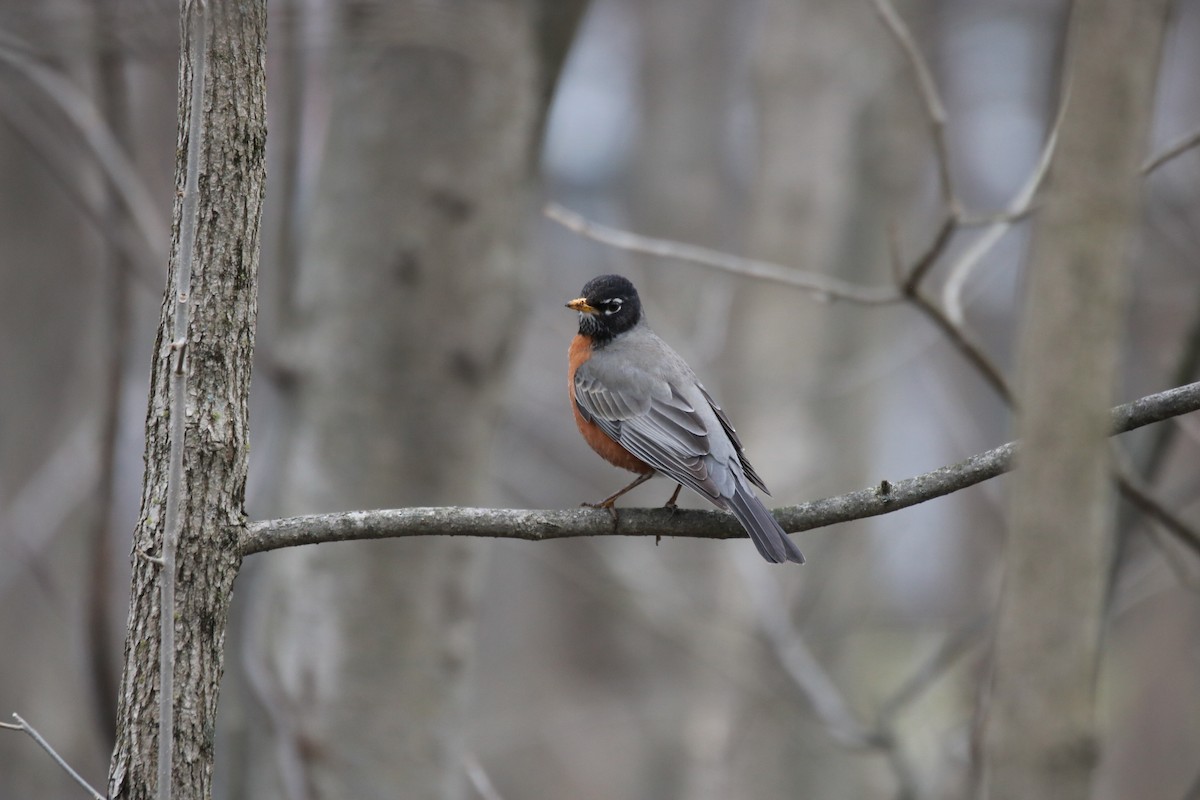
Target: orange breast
x: 597, y: 439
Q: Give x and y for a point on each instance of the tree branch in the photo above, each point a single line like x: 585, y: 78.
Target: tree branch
x: 824, y: 287
x: 935, y: 109
x: 1017, y: 208
x: 110, y: 157
x: 542, y: 525
x: 197, y: 414
x: 1176, y: 148
x: 22, y: 725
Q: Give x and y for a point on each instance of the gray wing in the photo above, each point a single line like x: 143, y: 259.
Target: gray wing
x: 673, y: 425
x: 733, y: 437
x: 669, y: 424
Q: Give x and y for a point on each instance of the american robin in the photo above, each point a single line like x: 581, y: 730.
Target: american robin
x: 639, y: 405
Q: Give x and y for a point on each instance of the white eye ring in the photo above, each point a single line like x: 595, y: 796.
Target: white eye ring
x: 612, y: 306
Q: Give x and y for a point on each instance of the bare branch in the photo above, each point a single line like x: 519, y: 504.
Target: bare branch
x: 1127, y: 481
x: 823, y: 287
x: 934, y: 108
x: 964, y: 344
x: 479, y: 778
x: 802, y: 666
x: 1142, y: 498
x: 933, y: 252
x: 1016, y: 210
x: 22, y: 725
x: 39, y: 136
x: 265, y: 689
x: 831, y: 288
x: 932, y: 668
x: 542, y: 525
x: 36, y: 513
x: 975, y: 355
x: 1176, y: 148
x: 110, y: 157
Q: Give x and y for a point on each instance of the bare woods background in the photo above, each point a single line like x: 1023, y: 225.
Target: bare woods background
x: 411, y: 352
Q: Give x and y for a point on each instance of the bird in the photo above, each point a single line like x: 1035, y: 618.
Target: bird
x: 640, y: 407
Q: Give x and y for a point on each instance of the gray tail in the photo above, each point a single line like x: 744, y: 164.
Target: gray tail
x: 772, y: 542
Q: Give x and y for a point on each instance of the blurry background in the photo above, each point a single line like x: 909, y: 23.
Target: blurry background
x: 412, y: 352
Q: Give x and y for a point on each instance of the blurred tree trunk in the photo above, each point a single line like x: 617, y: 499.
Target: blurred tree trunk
x: 829, y: 179
x: 54, y: 298
x: 682, y: 186
x: 1039, y: 729
x: 830, y: 176
x: 407, y: 300
x: 222, y: 301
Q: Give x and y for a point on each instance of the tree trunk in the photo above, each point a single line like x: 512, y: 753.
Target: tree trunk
x: 1039, y: 734
x: 222, y: 300
x: 830, y: 177
x: 407, y: 298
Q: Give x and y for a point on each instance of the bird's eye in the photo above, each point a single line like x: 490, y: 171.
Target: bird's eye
x: 612, y: 306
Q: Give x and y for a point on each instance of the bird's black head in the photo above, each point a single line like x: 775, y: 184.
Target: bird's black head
x: 607, y: 306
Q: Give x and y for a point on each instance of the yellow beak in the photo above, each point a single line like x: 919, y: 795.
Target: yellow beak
x: 580, y: 304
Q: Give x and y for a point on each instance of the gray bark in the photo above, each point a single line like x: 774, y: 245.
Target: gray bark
x: 220, y: 340
x: 1040, y: 739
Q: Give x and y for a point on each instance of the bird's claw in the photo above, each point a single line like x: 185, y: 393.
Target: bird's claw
x: 606, y: 504
x: 671, y: 504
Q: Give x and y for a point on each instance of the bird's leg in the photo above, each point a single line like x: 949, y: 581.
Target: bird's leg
x: 674, y: 496
x: 612, y: 498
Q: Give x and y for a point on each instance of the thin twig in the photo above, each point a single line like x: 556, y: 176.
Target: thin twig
x: 1186, y: 367
x: 38, y: 136
x: 932, y: 668
x: 966, y: 220
x: 479, y: 778
x: 971, y: 351
x: 823, y: 287
x: 1176, y: 148
x: 22, y: 725
x: 935, y: 109
x: 83, y: 115
x: 933, y: 252
x: 1143, y: 499
x: 541, y: 525
x: 35, y: 514
x: 895, y: 253
x: 1016, y: 210
x: 276, y: 704
x: 802, y: 666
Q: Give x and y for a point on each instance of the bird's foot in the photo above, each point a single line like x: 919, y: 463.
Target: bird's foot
x: 671, y: 504
x: 607, y: 503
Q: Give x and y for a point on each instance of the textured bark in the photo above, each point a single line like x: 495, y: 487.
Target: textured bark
x: 1039, y: 736
x: 220, y: 340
